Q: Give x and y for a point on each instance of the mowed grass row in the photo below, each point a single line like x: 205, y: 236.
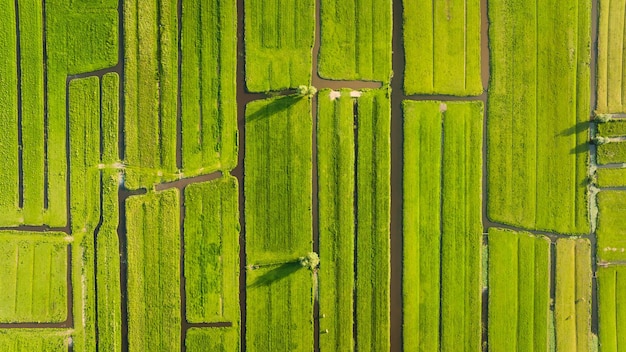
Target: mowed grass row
x: 211, y: 236
x: 611, y: 153
x: 154, y: 301
x: 373, y: 192
x: 613, y: 177
x: 279, y: 36
x: 612, y: 308
x: 212, y: 339
x: 336, y: 185
x: 9, y: 182
x: 33, y: 285
x: 278, y: 167
x: 278, y: 172
x: 208, y: 87
x: 442, y: 47
x: 613, y: 128
x: 150, y: 91
x: 611, y: 229
x: 442, y: 225
x: 421, y: 225
x: 519, y: 291
x: 538, y: 114
x: 572, y: 304
x: 356, y: 45
x: 611, y: 83
x: 29, y: 340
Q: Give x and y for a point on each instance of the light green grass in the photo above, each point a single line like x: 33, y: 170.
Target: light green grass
x: 613, y: 177
x: 278, y: 179
x: 373, y: 190
x: 279, y: 309
x: 92, y: 44
x: 33, y: 285
x: 8, y: 118
x: 211, y: 236
x: 208, y: 87
x: 279, y: 38
x: 30, y: 340
x: 212, y: 339
x: 612, y: 153
x: 110, y: 118
x: 150, y: 91
x: 519, y: 291
x: 611, y: 83
x: 461, y: 238
x: 154, y: 302
x: 572, y: 307
x: 442, y: 47
x: 612, y: 128
x: 335, y: 172
x: 421, y: 225
x: 538, y: 114
x: 356, y: 45
x: 611, y: 308
x: 612, y: 226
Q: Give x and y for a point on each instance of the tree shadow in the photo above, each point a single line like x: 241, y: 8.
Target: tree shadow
x: 276, y: 274
x: 276, y: 106
x: 581, y: 148
x: 574, y: 129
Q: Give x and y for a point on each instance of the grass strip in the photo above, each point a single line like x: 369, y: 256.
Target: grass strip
x: 28, y: 340
x: 613, y: 177
x: 610, y: 81
x: 611, y: 308
x: 612, y: 153
x: 614, y: 128
x: 213, y: 339
x: 611, y: 229
x: 110, y: 118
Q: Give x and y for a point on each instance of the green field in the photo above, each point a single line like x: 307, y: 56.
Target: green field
x: 612, y: 153
x: 442, y: 225
x: 355, y: 45
x: 613, y: 128
x: 611, y: 308
x: 519, y: 291
x: 211, y: 233
x: 610, y: 80
x: 442, y: 47
x: 572, y: 303
x: 29, y: 340
x: 154, y: 271
x: 279, y: 37
x: 33, y: 285
x: 613, y: 177
x: 612, y: 226
x: 212, y: 339
x: 537, y: 117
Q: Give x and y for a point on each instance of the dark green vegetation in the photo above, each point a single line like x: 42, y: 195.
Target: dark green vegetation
x: 612, y: 226
x: 613, y: 177
x: 612, y: 308
x: 572, y: 304
x: 29, y: 340
x: 279, y: 37
x: 538, y: 114
x: 211, y: 233
x: 213, y: 339
x: 153, y: 271
x: 612, y: 153
x: 356, y: 45
x: 442, y: 47
x: 519, y: 291
x: 610, y: 80
x: 33, y: 285
x: 442, y: 225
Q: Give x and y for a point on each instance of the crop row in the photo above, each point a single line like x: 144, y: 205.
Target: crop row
x: 538, y: 114
x: 442, y: 47
x: 442, y: 225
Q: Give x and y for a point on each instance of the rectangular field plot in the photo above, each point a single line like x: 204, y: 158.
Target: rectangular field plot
x: 613, y: 177
x: 31, y: 340
x: 612, y: 153
x: 612, y: 226
x: 212, y: 339
x: 278, y: 179
x: 33, y: 280
x: 538, y: 114
x: 208, y: 87
x: 442, y: 225
x: 154, y: 302
x: 572, y: 304
x: 211, y: 236
x: 442, y: 47
x: 279, y: 309
x: 613, y: 128
x: 611, y: 80
x: 519, y: 291
x: 279, y: 39
x: 612, y: 308
x: 356, y: 45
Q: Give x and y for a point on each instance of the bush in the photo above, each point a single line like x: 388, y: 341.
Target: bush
x: 311, y: 261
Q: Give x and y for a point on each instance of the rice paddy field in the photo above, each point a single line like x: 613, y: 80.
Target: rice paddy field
x: 315, y: 175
